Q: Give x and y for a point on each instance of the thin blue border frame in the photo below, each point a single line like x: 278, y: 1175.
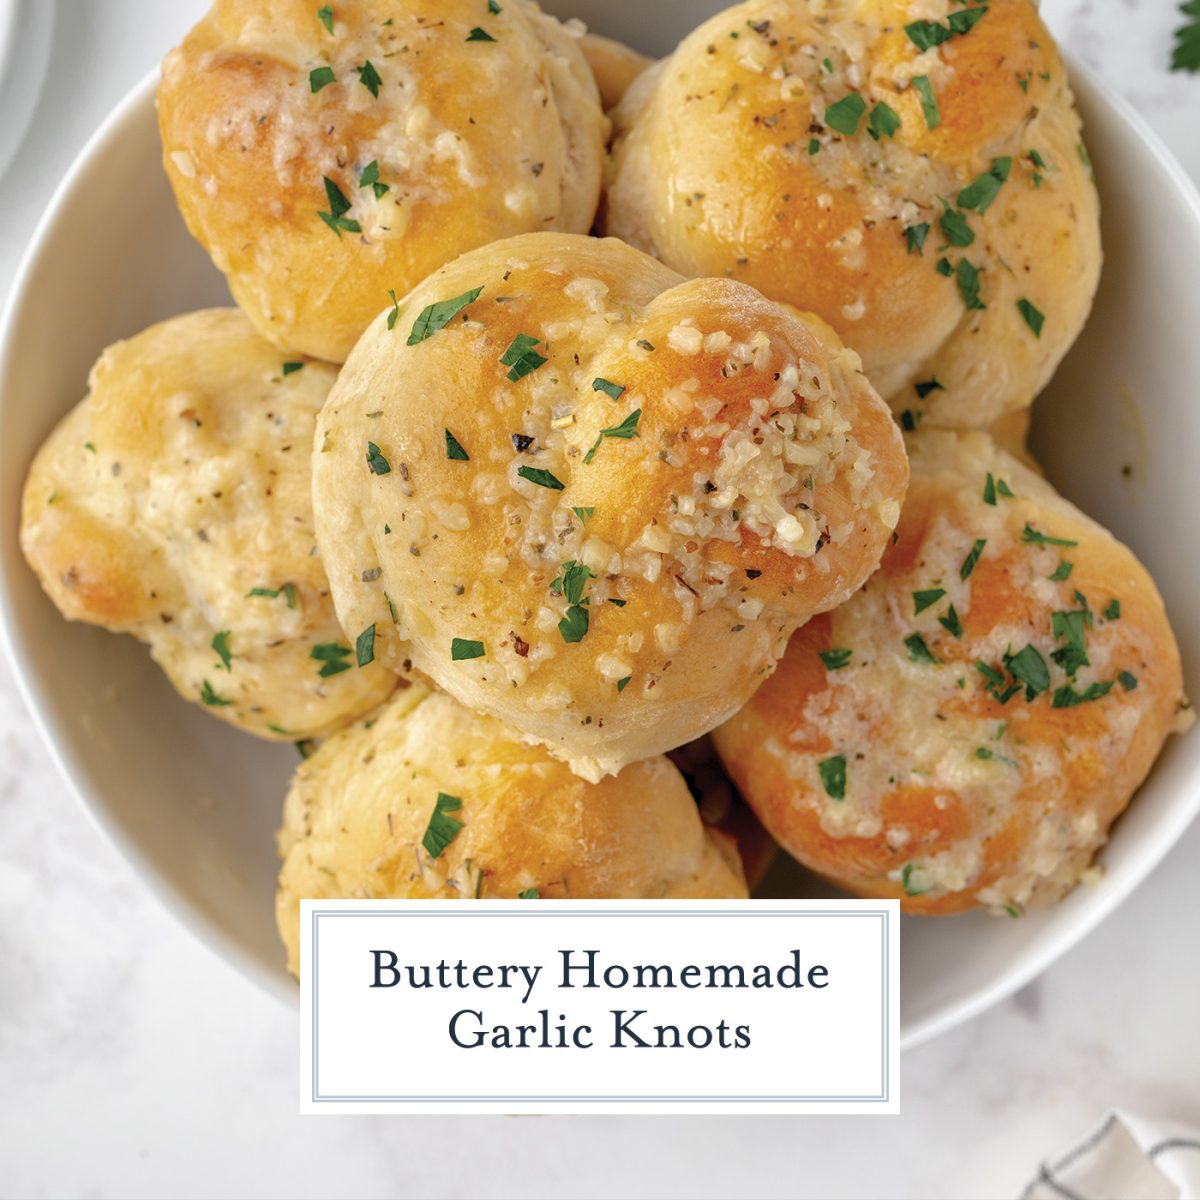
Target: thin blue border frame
x: 476, y: 911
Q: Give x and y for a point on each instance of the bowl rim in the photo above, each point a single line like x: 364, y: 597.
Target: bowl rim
x: 205, y: 930
x: 1157, y: 842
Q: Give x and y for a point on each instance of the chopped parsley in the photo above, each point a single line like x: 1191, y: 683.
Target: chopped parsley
x: 884, y: 121
x: 370, y: 178
x: 369, y: 77
x: 1186, y: 54
x: 571, y: 584
x: 833, y: 776
x: 1033, y: 316
x: 572, y: 581
x: 918, y: 650
x: 541, y: 478
x: 1067, y: 697
x: 325, y: 16
x: 376, y: 461
x: 332, y: 657
x: 909, y: 420
x: 814, y: 147
x: 943, y: 267
x: 320, y: 78
x: 437, y: 316
x: 924, y: 387
x: 336, y: 217
x: 929, y: 104
x: 996, y: 680
x: 906, y: 881
x: 442, y: 828
x: 290, y: 368
x: 980, y: 193
x: 211, y: 698
x: 364, y: 646
x: 269, y: 593
x: 927, y: 34
x: 1113, y: 611
x: 985, y: 754
x: 574, y: 625
x: 613, y: 390
x: 495, y: 10
x: 954, y: 225
x: 1128, y: 682
x: 1029, y: 667
x: 521, y: 357
x: 1013, y: 911
x: 835, y: 660
x: 289, y: 590
x: 1071, y: 627
x: 915, y: 236
x: 845, y: 114
x: 220, y: 645
x: 462, y: 649
x: 306, y: 747
x: 951, y: 623
x: 454, y: 449
x: 994, y: 487
x: 622, y: 684
x: 479, y: 35
x: 969, y: 563
x: 1062, y: 571
x: 627, y: 429
x: 1030, y: 534
x: 584, y: 513
x: 968, y: 284
x: 528, y: 893
x: 394, y: 313
x: 926, y: 599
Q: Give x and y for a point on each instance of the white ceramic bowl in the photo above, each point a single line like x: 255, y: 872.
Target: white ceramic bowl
x: 194, y: 804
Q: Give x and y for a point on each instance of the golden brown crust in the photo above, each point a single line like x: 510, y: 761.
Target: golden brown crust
x: 724, y: 164
x: 247, y: 144
x: 757, y: 483
x: 959, y: 789
x: 358, y: 809
x: 181, y: 483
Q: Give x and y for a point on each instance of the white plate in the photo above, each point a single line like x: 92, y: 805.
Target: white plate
x: 194, y: 804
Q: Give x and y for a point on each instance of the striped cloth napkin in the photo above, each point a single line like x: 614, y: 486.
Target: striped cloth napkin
x: 1128, y: 1157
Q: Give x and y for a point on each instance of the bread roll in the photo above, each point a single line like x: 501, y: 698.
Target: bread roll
x: 966, y: 729
x: 356, y: 819
x: 614, y: 65
x: 592, y: 499
x: 174, y: 503
x: 324, y: 155
x: 934, y: 205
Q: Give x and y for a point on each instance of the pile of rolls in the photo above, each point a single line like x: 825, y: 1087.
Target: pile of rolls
x: 575, y: 409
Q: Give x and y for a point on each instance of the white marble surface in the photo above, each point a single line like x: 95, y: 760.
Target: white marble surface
x: 133, y: 1063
